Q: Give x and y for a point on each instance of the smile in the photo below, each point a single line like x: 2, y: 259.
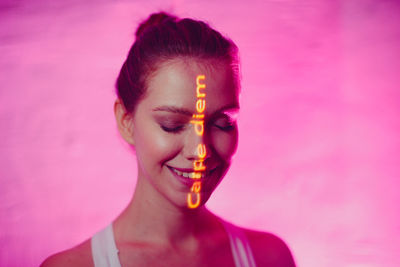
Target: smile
x: 193, y: 174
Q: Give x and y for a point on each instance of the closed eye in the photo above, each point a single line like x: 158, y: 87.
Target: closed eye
x: 225, y: 128
x: 225, y: 123
x: 175, y: 129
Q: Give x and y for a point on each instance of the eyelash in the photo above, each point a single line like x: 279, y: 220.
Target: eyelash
x: 179, y: 128
x: 228, y: 128
x: 172, y: 130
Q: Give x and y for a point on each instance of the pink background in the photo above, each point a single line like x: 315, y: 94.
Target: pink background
x: 318, y: 160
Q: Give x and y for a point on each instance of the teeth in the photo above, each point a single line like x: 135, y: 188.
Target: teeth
x: 189, y: 174
x: 177, y: 172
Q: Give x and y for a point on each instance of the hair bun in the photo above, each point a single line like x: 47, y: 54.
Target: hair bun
x: 154, y: 20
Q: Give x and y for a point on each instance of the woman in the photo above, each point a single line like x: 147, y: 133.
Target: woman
x: 177, y: 100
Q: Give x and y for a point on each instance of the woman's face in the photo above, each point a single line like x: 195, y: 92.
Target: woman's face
x: 165, y: 140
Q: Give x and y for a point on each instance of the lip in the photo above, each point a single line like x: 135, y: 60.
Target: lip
x: 181, y: 169
x: 189, y: 169
x: 189, y: 181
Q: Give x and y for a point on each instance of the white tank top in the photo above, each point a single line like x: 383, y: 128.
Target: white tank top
x: 105, y: 252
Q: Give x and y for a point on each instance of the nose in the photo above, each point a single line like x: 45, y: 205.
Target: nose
x: 197, y: 146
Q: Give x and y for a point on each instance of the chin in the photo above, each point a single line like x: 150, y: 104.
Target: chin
x: 179, y: 199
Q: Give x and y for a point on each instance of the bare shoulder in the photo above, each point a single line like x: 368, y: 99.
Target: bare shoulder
x: 81, y: 255
x: 269, y: 250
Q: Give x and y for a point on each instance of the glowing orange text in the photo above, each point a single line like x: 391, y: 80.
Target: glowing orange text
x: 198, y: 122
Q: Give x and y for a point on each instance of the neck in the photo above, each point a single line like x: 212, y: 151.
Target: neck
x: 151, y: 218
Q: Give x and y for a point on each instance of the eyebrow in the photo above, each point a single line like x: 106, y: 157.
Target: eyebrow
x: 173, y: 109
x: 231, y: 107
x: 187, y: 112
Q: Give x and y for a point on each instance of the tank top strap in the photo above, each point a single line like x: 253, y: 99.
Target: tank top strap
x: 104, y: 250
x: 240, y: 246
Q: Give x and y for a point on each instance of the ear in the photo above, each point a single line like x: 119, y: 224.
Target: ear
x: 124, y: 121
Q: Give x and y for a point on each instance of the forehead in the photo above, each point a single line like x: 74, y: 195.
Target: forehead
x: 174, y: 83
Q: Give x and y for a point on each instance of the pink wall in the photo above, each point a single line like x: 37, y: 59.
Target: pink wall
x: 318, y: 159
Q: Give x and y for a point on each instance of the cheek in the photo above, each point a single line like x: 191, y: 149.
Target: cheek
x: 225, y: 144
x: 154, y: 146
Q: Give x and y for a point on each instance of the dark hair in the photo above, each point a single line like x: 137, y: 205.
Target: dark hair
x: 163, y: 37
